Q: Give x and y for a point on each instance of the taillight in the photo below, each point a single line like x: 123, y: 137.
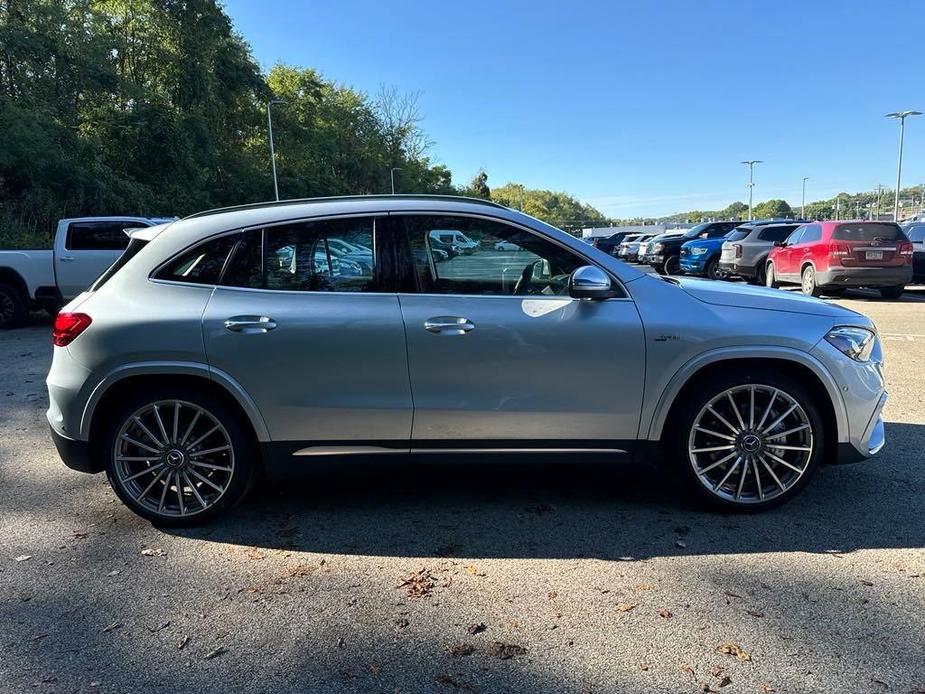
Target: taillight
x: 738, y: 247
x: 836, y: 252
x: 68, y: 326
x: 905, y: 250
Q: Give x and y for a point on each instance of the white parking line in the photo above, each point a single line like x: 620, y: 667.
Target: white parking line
x: 904, y: 337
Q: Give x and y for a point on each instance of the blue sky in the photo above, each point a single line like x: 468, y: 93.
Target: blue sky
x: 639, y: 108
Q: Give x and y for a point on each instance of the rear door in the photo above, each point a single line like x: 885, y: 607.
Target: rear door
x: 783, y: 256
x: 318, y: 344
x: 869, y: 244
x: 501, y: 357
x: 86, y: 249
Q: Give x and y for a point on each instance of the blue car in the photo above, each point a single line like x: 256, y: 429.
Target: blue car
x: 701, y: 257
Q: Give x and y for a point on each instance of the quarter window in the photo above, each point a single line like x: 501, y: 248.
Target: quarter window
x: 462, y: 255
x: 322, y: 256
x: 201, y: 264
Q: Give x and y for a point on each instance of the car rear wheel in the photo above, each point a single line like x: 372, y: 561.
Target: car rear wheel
x: 770, y: 277
x: 808, y: 282
x: 13, y: 311
x: 748, y: 441
x: 177, y: 457
x: 892, y: 293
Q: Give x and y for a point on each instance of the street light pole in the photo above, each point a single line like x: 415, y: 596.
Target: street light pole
x: 751, y: 184
x: 803, y: 205
x: 392, y: 176
x: 879, y: 192
x: 270, y: 103
x: 901, y: 115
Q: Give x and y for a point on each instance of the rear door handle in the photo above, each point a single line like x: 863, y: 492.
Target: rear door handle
x: 448, y: 325
x: 66, y: 258
x: 250, y: 325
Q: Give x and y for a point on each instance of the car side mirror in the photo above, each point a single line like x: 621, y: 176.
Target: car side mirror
x: 589, y: 282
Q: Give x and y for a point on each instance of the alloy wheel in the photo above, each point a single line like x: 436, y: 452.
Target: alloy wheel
x: 750, y: 444
x: 174, y: 458
x: 808, y: 284
x: 7, y: 308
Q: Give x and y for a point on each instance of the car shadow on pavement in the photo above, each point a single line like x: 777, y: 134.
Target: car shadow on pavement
x: 573, y: 510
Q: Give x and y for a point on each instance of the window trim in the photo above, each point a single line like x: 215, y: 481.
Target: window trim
x: 405, y: 257
x: 255, y: 227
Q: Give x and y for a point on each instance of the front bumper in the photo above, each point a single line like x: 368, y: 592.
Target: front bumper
x: 693, y: 265
x: 865, y: 276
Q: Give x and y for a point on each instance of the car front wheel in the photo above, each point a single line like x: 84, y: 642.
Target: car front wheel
x: 749, y: 441
x: 770, y: 278
x: 672, y: 265
x: 178, y: 457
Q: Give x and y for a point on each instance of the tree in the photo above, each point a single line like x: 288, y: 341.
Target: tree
x: 558, y: 209
x: 772, y: 209
x: 734, y: 211
x: 478, y: 186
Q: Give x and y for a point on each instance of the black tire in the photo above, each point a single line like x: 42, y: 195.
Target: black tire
x: 760, y: 272
x: 13, y: 310
x: 672, y: 265
x: 676, y: 439
x: 808, y: 282
x: 835, y: 291
x: 244, y: 449
x: 770, y: 277
x: 892, y: 293
x: 712, y: 271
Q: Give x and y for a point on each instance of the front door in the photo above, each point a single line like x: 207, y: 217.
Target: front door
x: 316, y: 339
x: 501, y: 357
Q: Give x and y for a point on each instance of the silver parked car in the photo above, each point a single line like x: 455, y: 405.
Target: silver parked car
x: 226, y: 344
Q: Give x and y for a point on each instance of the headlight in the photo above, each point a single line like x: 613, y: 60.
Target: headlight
x: 856, y: 343
x: 659, y: 247
x: 698, y: 251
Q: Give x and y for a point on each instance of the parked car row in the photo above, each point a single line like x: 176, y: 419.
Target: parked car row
x: 820, y: 257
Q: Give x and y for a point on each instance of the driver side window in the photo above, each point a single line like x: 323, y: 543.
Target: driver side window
x: 466, y: 255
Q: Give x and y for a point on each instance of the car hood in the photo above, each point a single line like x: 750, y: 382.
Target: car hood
x: 721, y: 293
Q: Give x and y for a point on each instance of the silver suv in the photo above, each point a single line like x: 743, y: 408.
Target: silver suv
x: 235, y: 342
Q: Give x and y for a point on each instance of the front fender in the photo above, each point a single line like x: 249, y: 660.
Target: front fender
x: 728, y: 354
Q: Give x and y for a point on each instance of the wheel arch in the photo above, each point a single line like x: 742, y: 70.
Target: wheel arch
x: 800, y: 365
x: 10, y: 276
x: 126, y: 379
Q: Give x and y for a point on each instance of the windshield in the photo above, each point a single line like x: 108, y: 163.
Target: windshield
x: 696, y: 231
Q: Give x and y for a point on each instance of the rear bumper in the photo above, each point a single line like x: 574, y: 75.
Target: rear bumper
x: 865, y: 276
x: 75, y: 454
x: 734, y: 268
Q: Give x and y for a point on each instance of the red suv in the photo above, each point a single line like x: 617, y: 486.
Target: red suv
x: 830, y: 256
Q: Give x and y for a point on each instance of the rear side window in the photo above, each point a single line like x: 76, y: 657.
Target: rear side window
x: 202, y: 264
x: 98, y: 236
x: 868, y: 231
x: 738, y: 234
x: 776, y: 233
x: 811, y: 233
x: 916, y: 233
x: 322, y: 256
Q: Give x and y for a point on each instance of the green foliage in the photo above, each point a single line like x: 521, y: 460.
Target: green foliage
x: 559, y: 209
x: 735, y: 211
x: 157, y: 107
x: 478, y: 186
x: 772, y: 209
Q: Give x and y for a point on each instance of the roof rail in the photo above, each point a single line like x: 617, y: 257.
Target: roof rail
x: 381, y: 196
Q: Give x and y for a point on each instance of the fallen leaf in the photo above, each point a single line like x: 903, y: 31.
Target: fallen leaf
x: 867, y: 583
x: 460, y: 649
x: 221, y: 650
x: 506, y: 651
x: 552, y: 595
x: 114, y: 572
x: 375, y: 669
x: 419, y: 583
x: 254, y: 554
x: 644, y: 667
x: 112, y: 627
x: 159, y: 627
x: 401, y: 622
x: 766, y: 688
x: 24, y: 557
x: 474, y: 629
x: 470, y: 569
x: 182, y: 643
x: 80, y: 536
x: 734, y: 649
x: 625, y: 606
x: 730, y: 594
x: 153, y: 552
x: 681, y: 543
x: 644, y: 586
x: 754, y: 614
x: 688, y: 670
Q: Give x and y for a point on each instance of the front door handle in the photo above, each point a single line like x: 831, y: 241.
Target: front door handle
x: 250, y: 325
x: 448, y: 325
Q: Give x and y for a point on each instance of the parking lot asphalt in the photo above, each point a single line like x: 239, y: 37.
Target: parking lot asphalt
x: 481, y: 578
